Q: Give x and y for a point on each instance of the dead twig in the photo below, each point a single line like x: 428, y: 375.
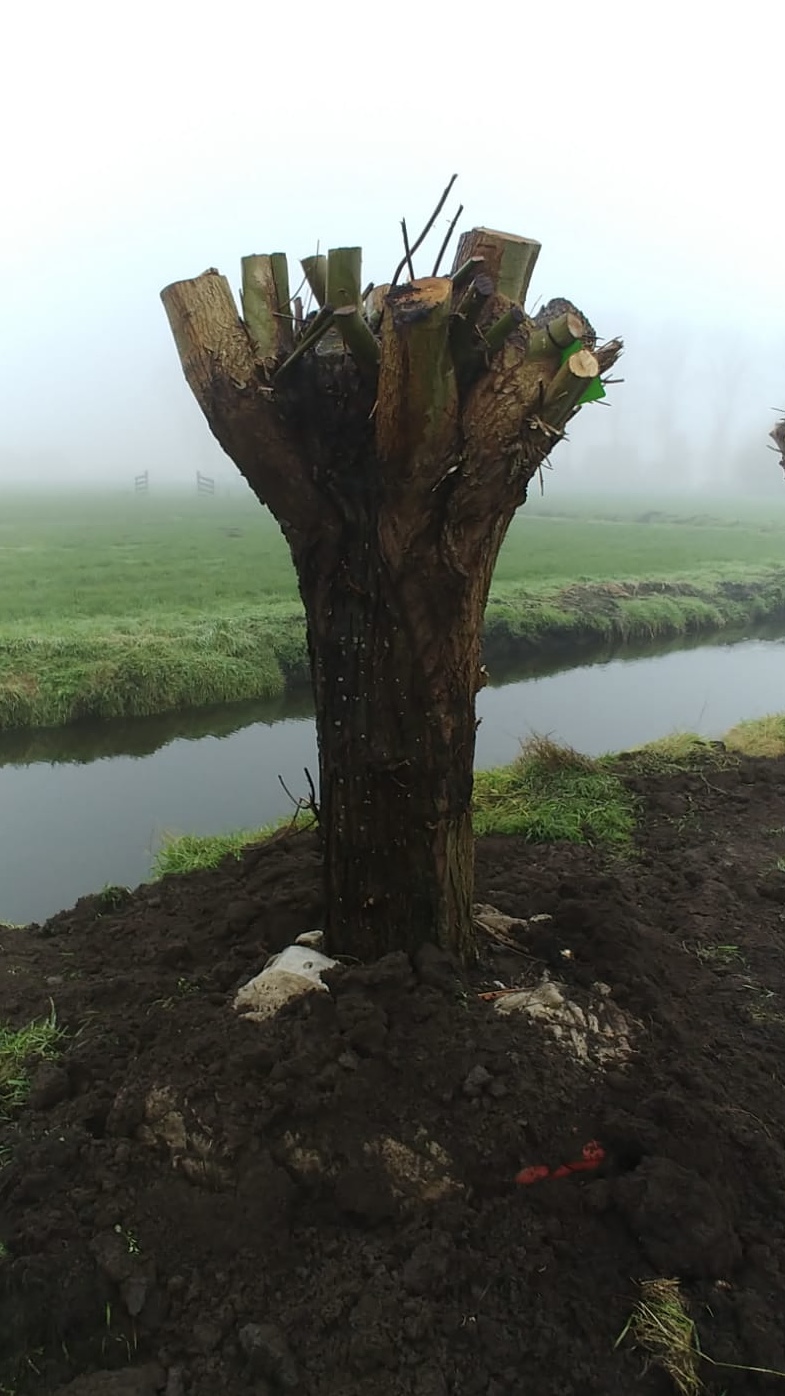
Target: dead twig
x: 407, y: 257
x: 296, y: 800
x: 407, y: 251
x: 446, y: 242
x: 313, y: 804
x: 300, y: 806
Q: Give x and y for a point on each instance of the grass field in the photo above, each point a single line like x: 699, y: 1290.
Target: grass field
x: 118, y: 606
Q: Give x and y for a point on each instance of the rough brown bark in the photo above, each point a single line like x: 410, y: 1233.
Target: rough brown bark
x: 394, y: 478
x: 395, y: 655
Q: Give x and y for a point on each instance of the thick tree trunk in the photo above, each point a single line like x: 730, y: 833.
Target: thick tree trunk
x: 395, y: 657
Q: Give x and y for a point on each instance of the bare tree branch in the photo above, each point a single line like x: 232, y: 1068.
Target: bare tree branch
x: 407, y: 251
x: 446, y: 242
x: 423, y: 235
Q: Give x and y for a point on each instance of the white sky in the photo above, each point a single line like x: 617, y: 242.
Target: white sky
x: 641, y: 144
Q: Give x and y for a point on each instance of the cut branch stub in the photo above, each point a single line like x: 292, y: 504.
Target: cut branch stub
x: 211, y: 340
x: 344, y: 273
x: 359, y: 340
x: 464, y: 339
x: 475, y: 299
x: 465, y: 273
x: 557, y: 307
x: 344, y: 276
x: 509, y: 260
x: 549, y: 341
x: 608, y: 353
x: 417, y: 413
x: 266, y: 305
x: 317, y: 329
x: 222, y: 371
x: 504, y: 407
x: 374, y: 306
x: 501, y: 329
x: 568, y: 387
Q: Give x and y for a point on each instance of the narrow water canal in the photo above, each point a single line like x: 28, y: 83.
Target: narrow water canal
x: 83, y: 807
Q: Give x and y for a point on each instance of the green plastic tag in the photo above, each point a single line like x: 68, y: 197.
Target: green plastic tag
x: 571, y: 349
x: 593, y: 393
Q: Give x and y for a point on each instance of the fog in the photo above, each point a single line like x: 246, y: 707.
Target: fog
x: 640, y: 144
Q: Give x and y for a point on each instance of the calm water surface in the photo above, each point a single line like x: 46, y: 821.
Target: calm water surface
x: 84, y: 807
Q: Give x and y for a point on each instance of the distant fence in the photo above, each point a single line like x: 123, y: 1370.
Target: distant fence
x: 205, y: 484
x: 142, y: 483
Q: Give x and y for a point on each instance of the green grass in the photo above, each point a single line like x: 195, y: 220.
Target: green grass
x: 133, y: 667
x: 757, y: 736
x: 78, y: 557
x: 551, y: 793
x: 185, y: 853
x: 113, y: 606
x: 760, y: 736
x: 113, y: 897
x: 548, y: 794
x: 20, y: 1051
x: 81, y: 556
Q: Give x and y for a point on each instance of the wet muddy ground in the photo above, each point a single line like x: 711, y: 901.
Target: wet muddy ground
x: 332, y: 1202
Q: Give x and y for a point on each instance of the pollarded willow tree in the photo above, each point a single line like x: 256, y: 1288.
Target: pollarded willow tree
x: 393, y: 434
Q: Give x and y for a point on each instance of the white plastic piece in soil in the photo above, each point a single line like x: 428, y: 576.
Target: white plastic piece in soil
x: 595, y: 1035
x: 297, y: 970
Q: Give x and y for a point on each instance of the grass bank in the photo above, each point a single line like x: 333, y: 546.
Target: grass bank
x: 135, y: 667
x: 122, y: 607
x: 548, y: 794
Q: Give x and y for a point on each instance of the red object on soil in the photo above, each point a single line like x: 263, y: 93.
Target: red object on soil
x: 592, y: 1155
x: 533, y: 1175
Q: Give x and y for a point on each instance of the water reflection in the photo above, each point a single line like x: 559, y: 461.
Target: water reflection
x: 141, y: 736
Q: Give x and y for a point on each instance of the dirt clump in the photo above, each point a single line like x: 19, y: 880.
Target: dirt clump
x: 326, y: 1203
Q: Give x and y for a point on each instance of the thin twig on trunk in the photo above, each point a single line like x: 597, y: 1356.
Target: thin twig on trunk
x: 313, y: 803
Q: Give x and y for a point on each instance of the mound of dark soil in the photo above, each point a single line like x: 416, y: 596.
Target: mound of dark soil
x: 327, y: 1203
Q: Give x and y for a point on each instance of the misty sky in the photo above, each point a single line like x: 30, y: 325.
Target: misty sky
x: 640, y: 143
